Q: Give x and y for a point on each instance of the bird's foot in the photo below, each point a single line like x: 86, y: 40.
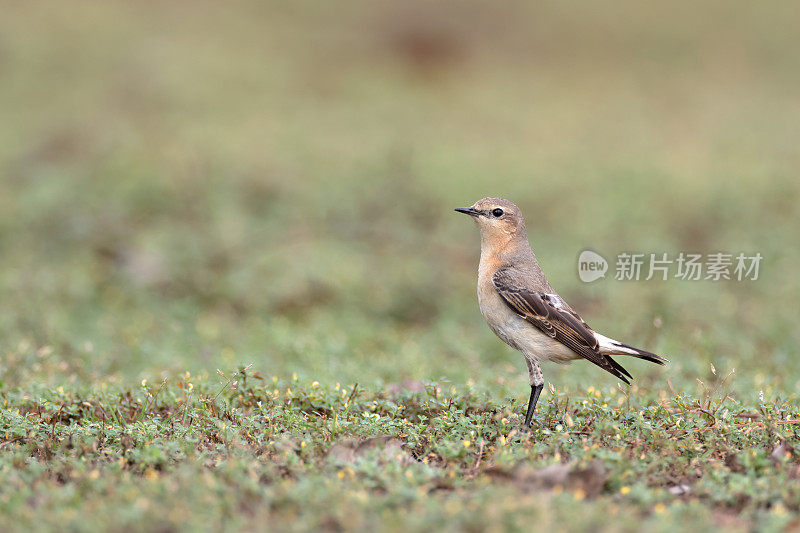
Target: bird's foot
x: 534, y: 424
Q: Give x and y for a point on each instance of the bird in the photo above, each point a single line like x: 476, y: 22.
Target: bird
x: 521, y: 307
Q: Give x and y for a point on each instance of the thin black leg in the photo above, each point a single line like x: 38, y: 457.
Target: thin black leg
x: 536, y: 390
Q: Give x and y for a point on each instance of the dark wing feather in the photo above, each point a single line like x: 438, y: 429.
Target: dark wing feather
x: 549, y: 314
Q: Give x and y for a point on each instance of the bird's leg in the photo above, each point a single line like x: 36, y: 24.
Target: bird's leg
x: 536, y: 390
x: 537, y: 384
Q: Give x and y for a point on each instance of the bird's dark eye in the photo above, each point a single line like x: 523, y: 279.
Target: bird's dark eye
x: 497, y: 212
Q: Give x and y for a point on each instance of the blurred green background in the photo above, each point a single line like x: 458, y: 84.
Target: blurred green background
x: 187, y: 186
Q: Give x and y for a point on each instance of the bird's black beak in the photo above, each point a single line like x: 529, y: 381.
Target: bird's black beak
x: 468, y: 211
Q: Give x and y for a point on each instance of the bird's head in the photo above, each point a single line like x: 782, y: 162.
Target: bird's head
x: 498, y: 219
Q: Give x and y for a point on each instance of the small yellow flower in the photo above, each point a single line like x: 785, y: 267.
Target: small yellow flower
x: 314, y: 384
x: 625, y: 490
x: 579, y: 494
x: 466, y: 443
x: 659, y: 508
x: 340, y: 474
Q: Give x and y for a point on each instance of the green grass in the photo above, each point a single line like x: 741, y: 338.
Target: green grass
x: 271, y: 188
x: 240, y: 450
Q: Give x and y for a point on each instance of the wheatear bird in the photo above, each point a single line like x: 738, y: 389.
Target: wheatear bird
x: 524, y: 310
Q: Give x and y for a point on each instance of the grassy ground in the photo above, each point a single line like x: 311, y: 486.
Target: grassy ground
x: 268, y: 191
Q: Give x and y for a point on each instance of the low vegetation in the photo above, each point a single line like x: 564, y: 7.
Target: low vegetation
x: 241, y: 450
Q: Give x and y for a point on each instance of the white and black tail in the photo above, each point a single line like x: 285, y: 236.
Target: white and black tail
x: 611, y: 347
